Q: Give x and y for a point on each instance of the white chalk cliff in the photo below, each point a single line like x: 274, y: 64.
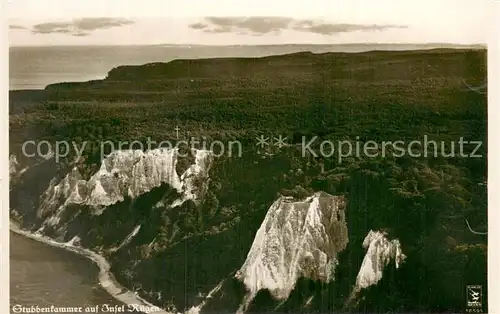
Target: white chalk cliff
x: 125, y: 173
x: 13, y: 165
x: 296, y: 239
x: 380, y: 252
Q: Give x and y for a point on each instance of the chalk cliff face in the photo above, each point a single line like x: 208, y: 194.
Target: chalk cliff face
x: 380, y: 252
x: 13, y: 165
x: 197, y: 173
x: 128, y: 173
x: 296, y: 239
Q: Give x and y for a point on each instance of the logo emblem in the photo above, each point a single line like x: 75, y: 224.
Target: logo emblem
x: 474, y: 296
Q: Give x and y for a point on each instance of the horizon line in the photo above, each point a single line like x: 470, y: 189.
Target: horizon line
x: 484, y: 45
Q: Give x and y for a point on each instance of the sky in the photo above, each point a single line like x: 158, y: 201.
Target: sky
x: 237, y: 22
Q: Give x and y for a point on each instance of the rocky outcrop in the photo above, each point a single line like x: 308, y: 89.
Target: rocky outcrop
x: 297, y: 239
x: 127, y: 173
x: 380, y: 252
x: 13, y: 165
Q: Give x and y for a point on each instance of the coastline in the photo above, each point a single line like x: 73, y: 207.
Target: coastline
x: 105, y: 277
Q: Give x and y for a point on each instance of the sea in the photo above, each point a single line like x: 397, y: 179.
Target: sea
x: 37, y: 67
x: 44, y: 276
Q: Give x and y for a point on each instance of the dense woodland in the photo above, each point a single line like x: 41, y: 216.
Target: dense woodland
x: 426, y: 202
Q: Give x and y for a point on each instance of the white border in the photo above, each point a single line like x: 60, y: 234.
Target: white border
x: 4, y: 162
x: 493, y: 158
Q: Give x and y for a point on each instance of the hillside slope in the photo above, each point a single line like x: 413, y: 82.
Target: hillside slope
x: 176, y: 253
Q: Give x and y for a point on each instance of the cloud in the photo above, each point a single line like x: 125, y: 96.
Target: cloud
x: 332, y: 29
x: 219, y: 29
x: 81, y: 34
x: 79, y: 27
x: 198, y: 26
x: 90, y: 24
x: 52, y: 27
x: 253, y: 25
x: 264, y: 25
x: 16, y: 27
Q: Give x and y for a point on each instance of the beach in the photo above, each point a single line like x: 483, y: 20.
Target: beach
x: 105, y: 277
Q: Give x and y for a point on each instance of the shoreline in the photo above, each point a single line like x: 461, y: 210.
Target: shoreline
x: 105, y: 277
